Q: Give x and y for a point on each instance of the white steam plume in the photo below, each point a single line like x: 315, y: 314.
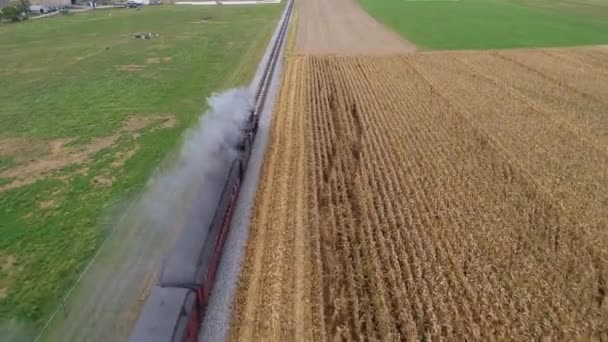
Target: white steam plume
x: 194, y: 185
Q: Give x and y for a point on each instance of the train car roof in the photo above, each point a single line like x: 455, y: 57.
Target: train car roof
x: 160, y: 315
x: 184, y: 266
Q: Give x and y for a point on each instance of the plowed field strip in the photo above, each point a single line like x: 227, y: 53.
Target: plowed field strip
x: 408, y: 155
x: 397, y: 100
x: 272, y: 269
x: 335, y: 274
x: 425, y: 201
x: 303, y: 240
x: 391, y: 279
x: 384, y: 187
x: 426, y: 252
x: 347, y: 322
x: 318, y: 287
x: 427, y: 196
x: 353, y: 108
x: 323, y: 144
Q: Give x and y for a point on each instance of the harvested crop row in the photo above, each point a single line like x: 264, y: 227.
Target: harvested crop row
x: 278, y: 257
x: 574, y: 111
x: 586, y: 81
x: 565, y: 160
x: 583, y: 58
x: 391, y: 207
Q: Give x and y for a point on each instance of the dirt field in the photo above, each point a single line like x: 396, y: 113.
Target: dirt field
x: 342, y: 27
x: 460, y: 195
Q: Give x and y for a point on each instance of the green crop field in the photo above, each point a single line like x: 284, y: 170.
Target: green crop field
x: 486, y: 24
x: 86, y: 113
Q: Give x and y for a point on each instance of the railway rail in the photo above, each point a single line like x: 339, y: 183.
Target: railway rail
x: 177, y: 303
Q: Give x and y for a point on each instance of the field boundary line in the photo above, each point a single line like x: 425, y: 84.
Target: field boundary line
x: 558, y: 118
x: 86, y: 269
x: 555, y: 54
x: 549, y: 78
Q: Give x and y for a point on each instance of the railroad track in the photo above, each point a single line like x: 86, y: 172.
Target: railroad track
x: 178, y: 302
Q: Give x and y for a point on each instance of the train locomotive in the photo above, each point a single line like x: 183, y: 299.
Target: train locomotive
x: 175, y: 306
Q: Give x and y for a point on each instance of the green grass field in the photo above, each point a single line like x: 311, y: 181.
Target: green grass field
x: 86, y: 113
x: 488, y: 24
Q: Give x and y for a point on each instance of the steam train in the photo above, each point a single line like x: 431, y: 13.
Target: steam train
x: 175, y: 306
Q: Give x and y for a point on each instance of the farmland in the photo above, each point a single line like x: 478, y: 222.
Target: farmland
x: 86, y: 115
x: 444, y: 194
x: 483, y: 24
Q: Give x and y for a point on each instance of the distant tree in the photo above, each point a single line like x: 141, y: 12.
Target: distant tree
x: 15, y: 11
x: 23, y: 5
x: 10, y: 12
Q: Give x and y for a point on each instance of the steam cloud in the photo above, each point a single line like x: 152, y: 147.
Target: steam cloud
x: 193, y: 187
x: 180, y: 200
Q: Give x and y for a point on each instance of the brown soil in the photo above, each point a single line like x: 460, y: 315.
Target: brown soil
x: 342, y: 27
x: 454, y: 196
x: 22, y: 149
x: 170, y: 122
x: 139, y: 122
x: 208, y: 21
x: 56, y: 146
x: 47, y: 204
x: 8, y: 266
x: 9, y: 146
x: 83, y: 171
x: 153, y: 60
x: 103, y: 181
x: 157, y: 60
x: 35, y: 158
x: 124, y: 156
x: 129, y: 67
x: 28, y: 173
x: 8, y: 263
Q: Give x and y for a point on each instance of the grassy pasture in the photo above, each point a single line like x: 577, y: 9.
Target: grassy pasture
x: 594, y: 9
x: 86, y: 113
x: 488, y: 24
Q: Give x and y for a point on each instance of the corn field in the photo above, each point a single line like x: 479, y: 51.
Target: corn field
x: 448, y: 195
